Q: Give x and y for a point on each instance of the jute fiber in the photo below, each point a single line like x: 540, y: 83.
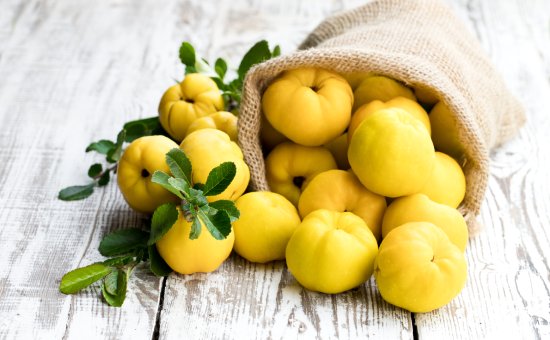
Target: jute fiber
x: 419, y: 42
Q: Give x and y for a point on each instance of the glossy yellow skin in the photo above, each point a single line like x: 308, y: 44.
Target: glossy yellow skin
x: 425, y: 96
x: 222, y: 120
x: 208, y: 148
x: 196, y: 96
x: 354, y: 79
x: 445, y: 131
x: 418, y: 268
x: 392, y: 153
x: 264, y: 227
x: 340, y: 190
x: 447, y: 184
x: 185, y: 256
x: 419, y: 208
x: 339, y: 150
x: 407, y: 105
x: 379, y: 88
x: 331, y: 252
x: 139, y: 161
x: 309, y: 106
x: 289, y: 161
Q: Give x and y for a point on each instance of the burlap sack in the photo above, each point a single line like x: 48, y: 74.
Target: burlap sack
x: 416, y: 42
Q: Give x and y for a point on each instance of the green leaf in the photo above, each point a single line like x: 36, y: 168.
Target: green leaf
x: 276, y: 51
x: 257, y: 53
x: 111, y: 283
x: 164, y: 218
x: 197, y: 198
x: 227, y: 206
x: 187, y: 54
x: 219, y: 224
x: 119, y: 261
x: 142, y: 127
x: 219, y: 179
x: 162, y: 178
x: 195, y: 228
x: 76, y: 192
x: 114, y: 154
x: 116, y: 300
x: 135, y: 131
x: 81, y: 278
x: 123, y: 241
x: 179, y: 184
x: 103, y: 146
x: 104, y: 179
x: 157, y: 264
x: 220, y: 67
x: 179, y: 164
x: 95, y: 170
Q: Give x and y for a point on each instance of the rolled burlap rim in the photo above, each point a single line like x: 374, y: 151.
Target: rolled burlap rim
x: 420, y: 43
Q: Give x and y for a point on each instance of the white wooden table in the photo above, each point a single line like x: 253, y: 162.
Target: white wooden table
x: 73, y: 71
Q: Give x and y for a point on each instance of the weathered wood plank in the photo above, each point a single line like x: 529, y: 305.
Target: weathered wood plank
x: 249, y: 301
x: 507, y: 294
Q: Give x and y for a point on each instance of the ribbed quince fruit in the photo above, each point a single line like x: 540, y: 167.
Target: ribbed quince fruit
x: 196, y: 96
x: 266, y: 222
x: 340, y: 190
x: 447, y: 184
x: 331, y: 251
x: 418, y: 268
x: 309, y: 106
x: 339, y: 150
x: 222, y: 120
x: 379, y: 88
x: 419, y: 208
x: 185, y: 256
x: 289, y: 168
x: 139, y: 161
x: 445, y: 131
x: 408, y: 105
x: 208, y: 148
x: 391, y: 153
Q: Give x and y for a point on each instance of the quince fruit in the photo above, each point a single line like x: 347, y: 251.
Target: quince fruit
x: 222, y: 120
x: 447, y: 184
x: 445, y: 131
x: 290, y: 167
x: 270, y: 137
x: 208, y: 148
x: 185, y: 256
x: 309, y: 106
x: 139, y: 161
x: 196, y: 96
x: 339, y: 150
x: 425, y: 96
x: 379, y: 88
x: 419, y: 208
x: 266, y: 222
x: 391, y: 153
x: 418, y: 268
x: 331, y: 252
x: 340, y: 190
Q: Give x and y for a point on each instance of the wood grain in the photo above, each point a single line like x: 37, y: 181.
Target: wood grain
x: 72, y: 71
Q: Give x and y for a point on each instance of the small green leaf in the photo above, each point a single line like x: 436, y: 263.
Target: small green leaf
x: 95, y: 170
x: 104, y: 179
x: 103, y: 146
x: 161, y: 178
x: 195, y: 228
x: 134, y: 132
x: 114, y: 154
x: 257, y: 53
x: 157, y: 264
x: 81, y: 278
x: 164, y: 218
x: 111, y: 283
x: 276, y: 51
x: 179, y: 164
x: 219, y: 224
x: 142, y: 127
x: 220, y: 67
x: 197, y: 198
x: 179, y: 184
x: 76, y: 192
x: 227, y: 206
x: 187, y: 54
x: 119, y: 261
x: 116, y: 300
x: 123, y: 241
x: 219, y: 179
